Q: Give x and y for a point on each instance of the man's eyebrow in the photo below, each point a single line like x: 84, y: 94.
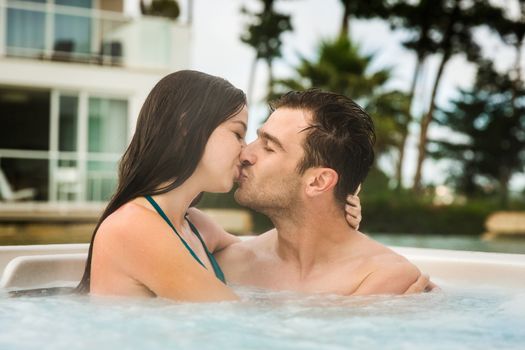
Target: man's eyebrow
x: 273, y: 139
x: 242, y: 123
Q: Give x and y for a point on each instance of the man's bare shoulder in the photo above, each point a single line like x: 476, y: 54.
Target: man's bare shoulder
x: 389, y: 261
x: 371, y: 250
x: 382, y: 270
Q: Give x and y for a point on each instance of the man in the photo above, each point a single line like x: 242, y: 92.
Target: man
x: 314, y: 150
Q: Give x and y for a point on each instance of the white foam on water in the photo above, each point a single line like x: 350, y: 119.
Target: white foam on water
x: 448, y: 319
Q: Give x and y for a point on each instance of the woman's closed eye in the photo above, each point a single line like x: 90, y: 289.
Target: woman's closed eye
x: 238, y: 135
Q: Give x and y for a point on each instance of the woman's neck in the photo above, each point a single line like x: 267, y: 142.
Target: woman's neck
x: 176, y: 202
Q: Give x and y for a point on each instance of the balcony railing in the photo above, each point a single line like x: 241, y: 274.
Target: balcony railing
x: 47, y: 31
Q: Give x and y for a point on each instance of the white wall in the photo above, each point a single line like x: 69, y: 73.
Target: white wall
x: 132, y: 84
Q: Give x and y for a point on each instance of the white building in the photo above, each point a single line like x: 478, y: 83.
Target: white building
x: 73, y: 76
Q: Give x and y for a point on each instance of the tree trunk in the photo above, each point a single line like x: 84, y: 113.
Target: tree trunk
x: 251, y: 80
x: 518, y: 79
x: 419, y: 63
x: 519, y: 48
x: 190, y: 12
x: 402, y: 145
x: 400, y: 160
x: 425, y: 122
x: 270, y: 77
x: 505, y: 173
x: 345, y: 24
x: 446, y: 45
x: 504, y: 179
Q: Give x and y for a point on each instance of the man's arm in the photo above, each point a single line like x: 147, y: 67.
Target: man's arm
x: 422, y: 285
x: 395, y: 278
x: 214, y: 235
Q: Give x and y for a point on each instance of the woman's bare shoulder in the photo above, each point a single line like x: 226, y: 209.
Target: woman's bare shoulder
x: 137, y: 242
x: 134, y: 233
x: 131, y: 221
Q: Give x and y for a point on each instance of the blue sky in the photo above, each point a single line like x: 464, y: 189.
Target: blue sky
x: 217, y: 49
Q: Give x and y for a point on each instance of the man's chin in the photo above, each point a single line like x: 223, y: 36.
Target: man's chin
x: 242, y: 197
x: 238, y: 195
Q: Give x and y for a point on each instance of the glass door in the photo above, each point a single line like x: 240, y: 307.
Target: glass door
x: 90, y: 137
x: 107, y: 139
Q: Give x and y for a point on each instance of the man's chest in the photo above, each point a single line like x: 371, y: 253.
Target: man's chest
x: 333, y: 278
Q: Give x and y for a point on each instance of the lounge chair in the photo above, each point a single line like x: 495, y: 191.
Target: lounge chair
x: 9, y: 195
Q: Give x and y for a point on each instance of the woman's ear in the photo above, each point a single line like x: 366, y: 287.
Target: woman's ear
x: 321, y: 180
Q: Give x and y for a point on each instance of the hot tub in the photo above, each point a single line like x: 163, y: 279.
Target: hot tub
x: 481, y: 306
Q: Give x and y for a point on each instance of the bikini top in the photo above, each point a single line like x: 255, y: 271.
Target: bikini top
x: 216, y: 268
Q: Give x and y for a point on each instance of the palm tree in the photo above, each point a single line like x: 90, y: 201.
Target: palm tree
x: 263, y: 34
x: 341, y: 68
x: 360, y: 9
x: 486, y: 112
x: 512, y: 31
x: 418, y: 19
x: 391, y: 120
x: 456, y: 31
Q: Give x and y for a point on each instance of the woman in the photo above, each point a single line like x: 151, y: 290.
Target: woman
x: 188, y: 139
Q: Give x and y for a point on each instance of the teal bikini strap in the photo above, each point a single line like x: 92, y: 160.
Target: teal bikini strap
x: 163, y: 215
x: 214, y: 263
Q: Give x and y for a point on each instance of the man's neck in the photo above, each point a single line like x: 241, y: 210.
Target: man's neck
x: 312, y: 237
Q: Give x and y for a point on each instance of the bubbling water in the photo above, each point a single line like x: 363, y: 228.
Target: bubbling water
x: 449, y: 319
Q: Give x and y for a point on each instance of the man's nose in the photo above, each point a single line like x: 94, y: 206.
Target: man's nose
x: 247, y: 155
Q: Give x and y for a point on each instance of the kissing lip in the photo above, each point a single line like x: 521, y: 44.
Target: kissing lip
x: 239, y: 173
x: 242, y: 175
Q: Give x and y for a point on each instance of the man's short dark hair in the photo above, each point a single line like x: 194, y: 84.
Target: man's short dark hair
x: 340, y: 136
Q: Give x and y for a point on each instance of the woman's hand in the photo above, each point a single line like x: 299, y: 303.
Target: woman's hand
x: 353, y: 210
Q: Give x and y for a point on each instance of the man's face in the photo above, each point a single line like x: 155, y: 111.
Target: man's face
x: 269, y: 180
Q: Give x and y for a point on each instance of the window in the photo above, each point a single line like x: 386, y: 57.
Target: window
x: 26, y: 30
x: 107, y: 136
x: 64, y: 146
x: 107, y: 125
x: 73, y: 33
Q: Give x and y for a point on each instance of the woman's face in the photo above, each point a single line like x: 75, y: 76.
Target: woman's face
x: 220, y: 164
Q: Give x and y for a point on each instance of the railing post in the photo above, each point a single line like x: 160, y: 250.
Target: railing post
x: 82, y: 145
x: 3, y: 27
x: 49, y: 29
x: 53, y: 143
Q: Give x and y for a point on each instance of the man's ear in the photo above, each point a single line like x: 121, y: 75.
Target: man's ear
x: 320, y: 180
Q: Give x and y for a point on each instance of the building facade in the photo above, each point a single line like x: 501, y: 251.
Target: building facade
x: 73, y: 76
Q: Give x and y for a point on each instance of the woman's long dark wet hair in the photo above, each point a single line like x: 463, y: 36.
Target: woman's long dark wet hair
x: 173, y: 127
